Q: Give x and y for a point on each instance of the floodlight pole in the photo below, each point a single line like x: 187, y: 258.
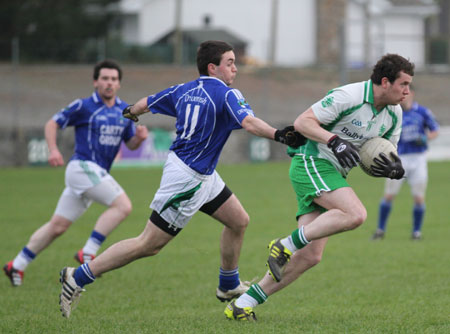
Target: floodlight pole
x: 178, y: 43
x: 273, y: 33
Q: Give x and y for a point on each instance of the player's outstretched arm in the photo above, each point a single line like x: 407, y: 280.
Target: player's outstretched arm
x: 260, y: 128
x: 290, y: 137
x: 133, y: 111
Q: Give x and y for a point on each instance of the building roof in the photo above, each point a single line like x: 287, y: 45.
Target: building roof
x: 412, y: 2
x: 198, y: 36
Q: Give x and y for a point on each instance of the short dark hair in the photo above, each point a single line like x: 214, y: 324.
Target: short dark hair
x: 107, y: 63
x: 210, y: 52
x: 390, y: 66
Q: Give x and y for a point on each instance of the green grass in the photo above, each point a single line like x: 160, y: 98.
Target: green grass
x: 392, y: 286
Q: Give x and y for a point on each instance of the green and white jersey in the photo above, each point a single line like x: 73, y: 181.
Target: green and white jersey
x: 349, y: 112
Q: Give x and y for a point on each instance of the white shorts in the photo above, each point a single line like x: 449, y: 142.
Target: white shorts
x: 416, y: 174
x: 183, y: 192
x: 86, y: 182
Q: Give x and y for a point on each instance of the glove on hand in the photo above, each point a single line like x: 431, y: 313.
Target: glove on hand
x: 127, y: 114
x: 346, y: 153
x: 388, y: 168
x: 290, y: 137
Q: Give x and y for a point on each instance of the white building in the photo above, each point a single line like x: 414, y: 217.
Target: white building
x: 378, y: 27
x: 285, y: 32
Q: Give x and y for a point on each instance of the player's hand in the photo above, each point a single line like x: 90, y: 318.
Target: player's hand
x: 141, y: 132
x: 55, y: 158
x: 290, y: 137
x: 421, y: 140
x: 127, y: 114
x: 345, y: 152
x: 388, y: 168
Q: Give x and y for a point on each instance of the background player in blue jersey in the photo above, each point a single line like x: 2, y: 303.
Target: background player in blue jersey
x: 206, y: 110
x: 418, y: 127
x: 100, y: 128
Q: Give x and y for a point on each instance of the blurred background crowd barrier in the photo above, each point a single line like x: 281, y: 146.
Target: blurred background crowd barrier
x: 293, y: 54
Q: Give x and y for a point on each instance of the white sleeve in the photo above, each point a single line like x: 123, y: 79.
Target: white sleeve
x: 331, y: 107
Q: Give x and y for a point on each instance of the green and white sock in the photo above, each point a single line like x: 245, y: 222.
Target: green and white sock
x: 254, y: 296
x: 296, y: 240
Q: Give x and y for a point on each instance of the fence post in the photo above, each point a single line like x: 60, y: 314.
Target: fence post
x: 17, y: 133
x: 101, y: 49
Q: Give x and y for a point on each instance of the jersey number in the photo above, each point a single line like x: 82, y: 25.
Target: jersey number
x: 194, y: 118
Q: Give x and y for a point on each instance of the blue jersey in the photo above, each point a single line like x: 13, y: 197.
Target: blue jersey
x: 206, y: 112
x: 416, y: 122
x: 99, y: 130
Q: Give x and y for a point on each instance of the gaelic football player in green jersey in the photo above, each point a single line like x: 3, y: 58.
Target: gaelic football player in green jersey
x: 336, y: 127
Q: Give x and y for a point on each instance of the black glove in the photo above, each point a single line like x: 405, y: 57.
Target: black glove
x: 127, y: 114
x: 290, y: 137
x: 388, y: 168
x: 346, y: 153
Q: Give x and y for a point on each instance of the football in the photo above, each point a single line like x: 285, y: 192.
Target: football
x: 371, y: 149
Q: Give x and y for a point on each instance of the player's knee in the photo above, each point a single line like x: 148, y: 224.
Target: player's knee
x: 358, y: 217
x: 124, y: 206
x: 355, y: 217
x: 150, y: 250
x: 127, y: 208
x: 58, y: 226
x: 242, y: 223
x: 149, y: 245
x: 245, y: 220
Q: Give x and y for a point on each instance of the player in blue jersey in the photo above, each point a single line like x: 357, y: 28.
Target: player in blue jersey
x: 418, y: 127
x: 206, y: 110
x: 336, y: 126
x: 100, y: 128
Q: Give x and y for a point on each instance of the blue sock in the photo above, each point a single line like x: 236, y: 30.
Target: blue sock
x: 99, y: 238
x: 383, y: 214
x: 418, y: 213
x: 229, y: 279
x: 83, y: 275
x: 28, y: 254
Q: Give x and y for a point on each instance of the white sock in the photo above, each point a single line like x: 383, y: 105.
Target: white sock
x: 289, y: 244
x: 21, y: 261
x: 246, y: 301
x: 92, y: 246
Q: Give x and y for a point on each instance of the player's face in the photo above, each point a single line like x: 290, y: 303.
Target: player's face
x: 399, y: 89
x: 226, y: 70
x: 408, y: 101
x: 108, y: 83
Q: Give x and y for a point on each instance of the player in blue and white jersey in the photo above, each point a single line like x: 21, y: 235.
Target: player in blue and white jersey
x: 100, y: 128
x: 418, y: 127
x: 336, y: 127
x: 206, y: 110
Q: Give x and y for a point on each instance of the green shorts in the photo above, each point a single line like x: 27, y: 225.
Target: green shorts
x: 310, y: 176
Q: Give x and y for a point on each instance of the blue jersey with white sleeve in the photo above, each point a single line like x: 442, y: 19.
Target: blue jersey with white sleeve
x: 99, y: 129
x: 416, y: 121
x: 206, y: 112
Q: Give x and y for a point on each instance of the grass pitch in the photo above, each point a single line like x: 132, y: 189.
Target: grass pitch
x: 390, y: 286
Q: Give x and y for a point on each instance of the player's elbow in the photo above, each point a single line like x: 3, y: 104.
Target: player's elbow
x: 298, y: 124
x: 248, y: 124
x: 305, y: 121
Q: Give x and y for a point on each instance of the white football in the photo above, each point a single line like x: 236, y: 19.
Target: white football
x: 371, y: 149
